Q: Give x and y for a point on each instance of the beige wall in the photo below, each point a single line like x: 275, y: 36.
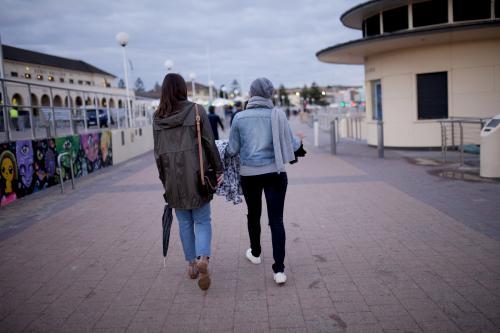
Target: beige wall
x: 96, y: 80
x: 97, y: 88
x: 134, y: 145
x: 473, y: 88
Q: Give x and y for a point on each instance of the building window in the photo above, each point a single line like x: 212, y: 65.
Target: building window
x: 61, y: 79
x: 432, y: 95
x: 471, y: 10
x: 373, y: 25
x: 497, y: 9
x: 87, y: 83
x: 376, y: 86
x: 430, y: 12
x: 27, y: 75
x: 80, y: 82
x: 39, y: 77
x: 395, y: 19
x: 50, y: 78
x: 71, y: 81
x: 13, y: 74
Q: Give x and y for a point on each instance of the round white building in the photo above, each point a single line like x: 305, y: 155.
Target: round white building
x: 424, y: 61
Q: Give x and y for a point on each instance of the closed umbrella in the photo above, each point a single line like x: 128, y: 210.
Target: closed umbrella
x: 166, y: 224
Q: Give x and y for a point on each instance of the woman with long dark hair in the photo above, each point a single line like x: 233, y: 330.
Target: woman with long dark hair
x: 177, y: 159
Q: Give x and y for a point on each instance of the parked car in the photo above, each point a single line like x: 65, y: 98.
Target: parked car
x: 92, y: 119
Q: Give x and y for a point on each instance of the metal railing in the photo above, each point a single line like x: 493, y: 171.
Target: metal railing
x: 59, y: 164
x: 348, y: 124
x: 339, y: 125
x: 468, y: 130
x: 31, y: 121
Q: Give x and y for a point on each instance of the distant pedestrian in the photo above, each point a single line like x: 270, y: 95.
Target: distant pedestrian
x: 177, y: 159
x: 228, y: 111
x: 14, y: 117
x: 263, y: 138
x: 238, y: 107
x: 215, y: 121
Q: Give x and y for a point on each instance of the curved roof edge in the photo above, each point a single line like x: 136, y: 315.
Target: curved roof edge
x: 353, y: 18
x: 353, y: 52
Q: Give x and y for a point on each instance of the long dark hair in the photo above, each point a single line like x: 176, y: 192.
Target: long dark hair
x: 173, y: 90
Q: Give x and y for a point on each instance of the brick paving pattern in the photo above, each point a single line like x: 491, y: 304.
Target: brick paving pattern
x: 364, y: 254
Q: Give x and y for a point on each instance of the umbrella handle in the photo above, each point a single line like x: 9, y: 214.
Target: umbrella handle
x: 164, y: 264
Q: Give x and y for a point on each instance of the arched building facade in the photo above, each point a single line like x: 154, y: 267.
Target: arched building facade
x: 56, y: 81
x: 424, y: 60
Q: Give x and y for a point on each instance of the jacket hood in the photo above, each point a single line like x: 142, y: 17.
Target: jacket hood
x: 177, y: 118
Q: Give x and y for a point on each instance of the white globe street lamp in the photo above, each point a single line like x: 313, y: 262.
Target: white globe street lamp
x: 192, y: 76
x: 122, y: 39
x: 169, y: 64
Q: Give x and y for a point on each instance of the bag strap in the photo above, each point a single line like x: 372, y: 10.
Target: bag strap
x: 200, y: 152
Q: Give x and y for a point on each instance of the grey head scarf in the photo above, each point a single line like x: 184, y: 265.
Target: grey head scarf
x: 261, y: 92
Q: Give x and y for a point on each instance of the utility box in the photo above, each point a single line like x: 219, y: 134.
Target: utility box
x: 490, y: 149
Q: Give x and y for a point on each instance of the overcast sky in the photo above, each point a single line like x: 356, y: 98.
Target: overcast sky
x: 246, y: 39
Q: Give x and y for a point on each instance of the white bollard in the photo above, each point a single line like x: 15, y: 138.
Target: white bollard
x: 316, y: 133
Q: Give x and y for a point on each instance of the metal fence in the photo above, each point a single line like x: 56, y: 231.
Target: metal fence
x: 458, y: 132
x: 348, y: 124
x: 32, y: 120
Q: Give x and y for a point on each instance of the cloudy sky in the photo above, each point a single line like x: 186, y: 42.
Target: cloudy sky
x: 245, y: 39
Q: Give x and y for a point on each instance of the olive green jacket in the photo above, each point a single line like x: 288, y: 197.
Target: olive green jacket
x: 176, y: 154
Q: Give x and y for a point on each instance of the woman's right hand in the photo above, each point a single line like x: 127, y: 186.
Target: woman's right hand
x: 220, y: 178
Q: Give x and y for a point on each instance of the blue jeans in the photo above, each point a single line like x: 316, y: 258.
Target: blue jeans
x: 195, y: 230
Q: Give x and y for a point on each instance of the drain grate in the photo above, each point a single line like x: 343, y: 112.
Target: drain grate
x: 468, y: 176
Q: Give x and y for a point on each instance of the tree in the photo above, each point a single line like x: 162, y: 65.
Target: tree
x: 139, y: 85
x: 157, y: 87
x: 121, y: 84
x: 305, y: 93
x: 235, y: 88
x: 283, y: 96
x: 315, y: 94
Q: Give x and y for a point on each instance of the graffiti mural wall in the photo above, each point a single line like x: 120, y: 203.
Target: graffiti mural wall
x: 28, y: 166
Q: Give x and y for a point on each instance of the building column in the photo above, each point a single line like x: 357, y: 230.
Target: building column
x: 450, y: 11
x: 410, y: 15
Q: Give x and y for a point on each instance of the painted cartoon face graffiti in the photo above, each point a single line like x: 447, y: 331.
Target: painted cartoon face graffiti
x: 106, y: 152
x: 28, y: 166
x: 90, y: 144
x: 71, y: 145
x: 8, y: 173
x: 45, y: 164
x: 24, y: 154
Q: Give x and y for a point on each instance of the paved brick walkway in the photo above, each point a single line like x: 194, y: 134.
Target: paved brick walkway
x: 363, y: 255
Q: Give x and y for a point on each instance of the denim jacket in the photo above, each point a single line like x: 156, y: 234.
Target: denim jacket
x: 252, y: 138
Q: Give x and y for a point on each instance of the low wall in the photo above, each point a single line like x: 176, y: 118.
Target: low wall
x: 131, y: 142
x: 28, y: 166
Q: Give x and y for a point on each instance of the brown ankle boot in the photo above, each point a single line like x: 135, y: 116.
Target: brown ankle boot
x: 204, y: 280
x: 192, y: 270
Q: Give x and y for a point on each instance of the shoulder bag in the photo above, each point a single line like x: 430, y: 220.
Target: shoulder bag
x: 207, y: 178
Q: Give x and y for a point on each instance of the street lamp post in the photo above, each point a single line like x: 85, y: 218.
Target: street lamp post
x: 122, y: 39
x: 211, y: 89
x: 192, y: 76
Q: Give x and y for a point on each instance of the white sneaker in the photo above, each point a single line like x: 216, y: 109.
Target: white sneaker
x: 253, y: 260
x: 279, y: 278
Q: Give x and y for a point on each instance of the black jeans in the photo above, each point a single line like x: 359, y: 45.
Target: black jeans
x: 274, y: 186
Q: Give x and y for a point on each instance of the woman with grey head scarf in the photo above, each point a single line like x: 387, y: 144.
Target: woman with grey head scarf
x: 263, y: 138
